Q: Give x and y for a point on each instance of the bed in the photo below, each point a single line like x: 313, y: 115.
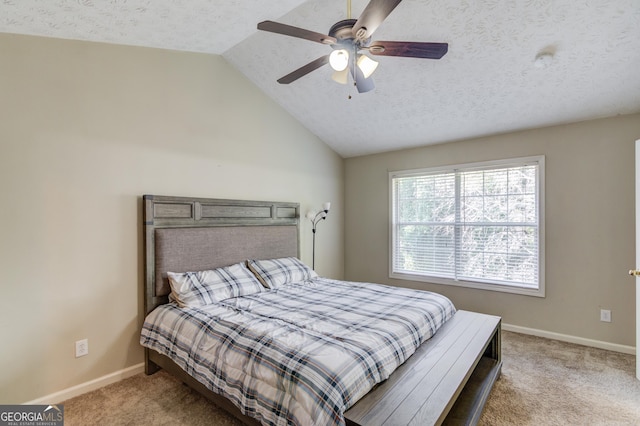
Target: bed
x: 446, y: 380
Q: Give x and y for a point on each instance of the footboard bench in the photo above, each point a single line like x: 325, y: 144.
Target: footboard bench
x: 447, y: 380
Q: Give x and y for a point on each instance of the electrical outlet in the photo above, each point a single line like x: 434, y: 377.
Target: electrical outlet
x: 82, y: 348
x: 605, y: 315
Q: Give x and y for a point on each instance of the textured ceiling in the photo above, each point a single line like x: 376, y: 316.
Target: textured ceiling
x: 486, y: 84
x: 193, y: 25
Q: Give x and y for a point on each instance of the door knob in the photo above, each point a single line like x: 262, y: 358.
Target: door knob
x: 634, y: 272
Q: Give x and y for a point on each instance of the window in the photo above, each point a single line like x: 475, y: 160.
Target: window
x: 476, y: 225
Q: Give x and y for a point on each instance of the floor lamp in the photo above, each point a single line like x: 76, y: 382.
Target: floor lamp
x: 316, y: 217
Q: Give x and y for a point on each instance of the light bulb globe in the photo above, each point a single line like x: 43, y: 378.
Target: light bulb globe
x: 367, y: 65
x: 339, y: 59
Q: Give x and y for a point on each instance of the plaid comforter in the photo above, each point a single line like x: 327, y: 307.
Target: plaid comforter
x: 301, y: 354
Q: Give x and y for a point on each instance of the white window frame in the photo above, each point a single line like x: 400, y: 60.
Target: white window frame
x: 486, y: 165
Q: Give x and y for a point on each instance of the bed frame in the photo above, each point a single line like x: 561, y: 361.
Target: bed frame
x: 447, y: 380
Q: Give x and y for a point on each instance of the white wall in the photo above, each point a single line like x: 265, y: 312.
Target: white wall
x: 590, y: 226
x: 86, y: 130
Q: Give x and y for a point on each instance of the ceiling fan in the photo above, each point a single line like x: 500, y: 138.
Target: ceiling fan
x: 348, y: 38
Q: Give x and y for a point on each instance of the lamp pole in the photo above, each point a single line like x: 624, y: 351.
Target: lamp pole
x: 315, y: 218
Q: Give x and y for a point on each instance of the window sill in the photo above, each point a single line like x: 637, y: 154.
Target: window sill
x: 526, y: 291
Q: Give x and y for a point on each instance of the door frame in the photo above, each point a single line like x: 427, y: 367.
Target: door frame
x: 637, y: 278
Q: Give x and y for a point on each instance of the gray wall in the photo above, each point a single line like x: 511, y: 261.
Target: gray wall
x: 589, y: 225
x: 87, y: 129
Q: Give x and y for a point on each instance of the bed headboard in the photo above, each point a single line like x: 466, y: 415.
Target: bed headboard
x: 191, y: 234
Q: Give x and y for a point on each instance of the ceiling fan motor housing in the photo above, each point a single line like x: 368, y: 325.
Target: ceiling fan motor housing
x: 343, y: 32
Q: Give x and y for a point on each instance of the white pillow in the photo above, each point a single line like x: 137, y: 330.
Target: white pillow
x: 275, y: 272
x: 193, y: 289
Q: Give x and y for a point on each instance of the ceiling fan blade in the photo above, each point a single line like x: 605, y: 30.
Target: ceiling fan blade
x: 304, y: 70
x: 372, y: 16
x: 409, y: 49
x: 275, y: 27
x: 363, y: 84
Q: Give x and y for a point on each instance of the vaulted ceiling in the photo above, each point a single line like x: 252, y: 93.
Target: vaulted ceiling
x: 487, y: 83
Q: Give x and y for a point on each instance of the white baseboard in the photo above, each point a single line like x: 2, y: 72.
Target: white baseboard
x: 63, y: 395
x: 571, y: 339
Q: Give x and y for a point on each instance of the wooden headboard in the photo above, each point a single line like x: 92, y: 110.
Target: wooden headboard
x: 191, y: 234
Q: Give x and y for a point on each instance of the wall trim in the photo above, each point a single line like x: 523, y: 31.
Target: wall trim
x: 91, y: 385
x: 571, y: 339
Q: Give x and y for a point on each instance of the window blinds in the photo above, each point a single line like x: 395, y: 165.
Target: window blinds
x: 474, y: 224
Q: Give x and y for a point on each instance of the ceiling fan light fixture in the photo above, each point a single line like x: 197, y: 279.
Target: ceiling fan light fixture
x: 347, y: 38
x: 341, y: 77
x: 366, y: 65
x: 339, y: 59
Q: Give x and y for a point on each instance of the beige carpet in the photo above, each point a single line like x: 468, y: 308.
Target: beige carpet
x: 543, y: 382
